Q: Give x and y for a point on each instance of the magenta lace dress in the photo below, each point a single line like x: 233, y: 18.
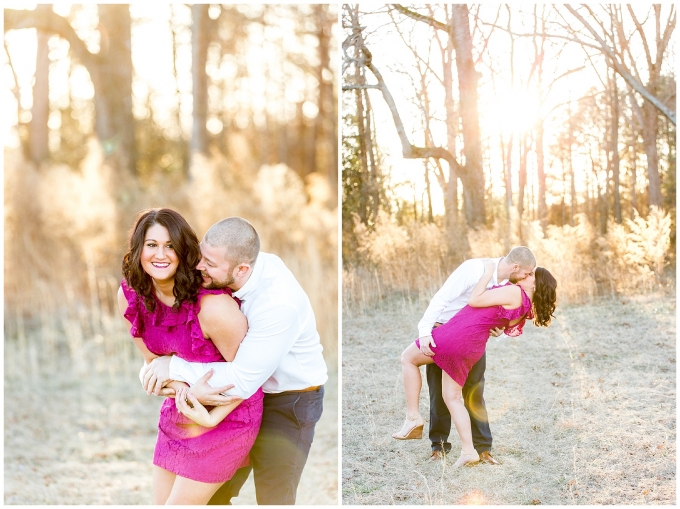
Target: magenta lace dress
x: 461, y: 341
x: 210, y: 455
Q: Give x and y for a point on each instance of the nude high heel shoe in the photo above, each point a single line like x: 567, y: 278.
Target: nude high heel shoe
x: 467, y: 459
x: 412, y: 430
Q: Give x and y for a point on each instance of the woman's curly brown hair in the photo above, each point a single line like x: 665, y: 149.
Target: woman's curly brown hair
x: 544, y: 298
x: 184, y: 242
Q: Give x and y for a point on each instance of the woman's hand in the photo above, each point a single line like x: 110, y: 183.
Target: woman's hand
x: 196, y: 412
x: 489, y: 266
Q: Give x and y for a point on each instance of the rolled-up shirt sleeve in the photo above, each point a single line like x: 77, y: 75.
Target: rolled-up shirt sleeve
x: 271, y: 335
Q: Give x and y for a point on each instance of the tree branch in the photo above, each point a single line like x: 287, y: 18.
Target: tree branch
x: 409, y: 151
x: 49, y: 21
x: 421, y: 17
x: 359, y: 87
x: 622, y: 70
x: 648, y: 54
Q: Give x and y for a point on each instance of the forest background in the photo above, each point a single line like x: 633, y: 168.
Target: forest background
x: 213, y: 110
x: 470, y: 129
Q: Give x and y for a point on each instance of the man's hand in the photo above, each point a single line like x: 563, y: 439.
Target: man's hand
x: 156, y: 375
x: 211, y: 396
x: 425, y: 343
x: 497, y: 331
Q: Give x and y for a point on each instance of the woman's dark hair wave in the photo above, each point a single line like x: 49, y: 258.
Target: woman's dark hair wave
x: 186, y: 246
x: 544, y: 297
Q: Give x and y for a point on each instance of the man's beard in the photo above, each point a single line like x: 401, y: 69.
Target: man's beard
x: 218, y: 285
x: 514, y: 279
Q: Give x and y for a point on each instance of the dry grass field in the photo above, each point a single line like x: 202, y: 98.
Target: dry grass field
x: 88, y: 439
x: 583, y: 412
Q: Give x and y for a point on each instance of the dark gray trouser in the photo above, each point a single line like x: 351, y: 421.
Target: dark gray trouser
x: 473, y: 394
x: 281, y: 449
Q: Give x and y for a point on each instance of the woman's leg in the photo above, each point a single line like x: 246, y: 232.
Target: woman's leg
x: 453, y: 396
x: 411, y: 360
x: 162, y: 484
x: 189, y: 492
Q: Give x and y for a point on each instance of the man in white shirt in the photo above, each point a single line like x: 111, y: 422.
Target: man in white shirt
x: 281, y: 353
x: 451, y: 298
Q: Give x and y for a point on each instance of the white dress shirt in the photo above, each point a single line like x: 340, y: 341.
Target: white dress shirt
x: 282, y: 349
x: 454, y: 295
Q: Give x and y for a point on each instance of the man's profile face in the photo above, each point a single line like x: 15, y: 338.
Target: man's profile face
x: 216, y: 270
x: 520, y: 273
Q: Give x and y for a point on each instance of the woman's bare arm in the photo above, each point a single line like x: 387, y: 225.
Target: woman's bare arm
x: 510, y: 297
x: 222, y: 321
x: 198, y: 413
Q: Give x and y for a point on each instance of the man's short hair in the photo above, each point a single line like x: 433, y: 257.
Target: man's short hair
x: 522, y: 256
x: 238, y: 237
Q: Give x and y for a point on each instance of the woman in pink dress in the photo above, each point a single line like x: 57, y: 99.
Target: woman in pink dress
x: 168, y: 312
x: 461, y: 342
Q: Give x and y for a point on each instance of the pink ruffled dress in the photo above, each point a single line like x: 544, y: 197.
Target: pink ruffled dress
x: 461, y: 341
x: 210, y: 455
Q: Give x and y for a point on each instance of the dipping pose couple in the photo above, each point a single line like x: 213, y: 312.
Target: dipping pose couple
x: 482, y: 297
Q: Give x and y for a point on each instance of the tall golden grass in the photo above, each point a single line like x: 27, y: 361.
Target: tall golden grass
x: 65, y: 235
x: 413, y: 260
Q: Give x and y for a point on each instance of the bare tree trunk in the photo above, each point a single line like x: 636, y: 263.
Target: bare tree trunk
x: 540, y: 156
x: 361, y: 124
x: 616, y: 163
x: 633, y: 178
x: 453, y: 223
x: 572, y: 188
x: 115, y: 123
x: 428, y: 192
x: 563, y: 221
x: 523, y: 151
x: 323, y: 160
x: 372, y: 167
x: 362, y: 152
x: 589, y: 205
x: 605, y: 200
x: 473, y: 178
x: 40, y: 111
x: 178, y: 93
x: 110, y: 71
x: 650, y: 131
x: 199, y: 57
x: 508, y: 173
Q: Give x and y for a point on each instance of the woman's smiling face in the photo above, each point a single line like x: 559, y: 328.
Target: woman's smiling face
x: 158, y: 258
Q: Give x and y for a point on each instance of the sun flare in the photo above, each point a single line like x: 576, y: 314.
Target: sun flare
x: 514, y: 111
